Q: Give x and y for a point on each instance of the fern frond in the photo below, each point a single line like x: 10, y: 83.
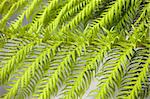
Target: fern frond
x: 12, y: 46
x: 31, y: 71
x: 3, y: 39
x: 118, y: 65
x: 5, y: 19
x: 81, y: 15
x: 15, y: 59
x: 135, y: 75
x: 13, y: 8
x: 44, y: 17
x: 129, y: 16
x: 23, y: 66
x: 61, y: 71
x: 77, y: 74
x: 114, y: 67
x: 141, y: 78
x: 2, y: 5
x: 145, y: 13
x: 57, y: 47
x: 5, y: 5
x: 113, y: 12
x: 79, y: 86
x: 52, y: 26
x: 74, y: 10
x: 65, y: 9
x: 82, y: 82
x: 27, y: 13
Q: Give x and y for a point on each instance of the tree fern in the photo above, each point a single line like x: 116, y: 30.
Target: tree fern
x: 65, y: 44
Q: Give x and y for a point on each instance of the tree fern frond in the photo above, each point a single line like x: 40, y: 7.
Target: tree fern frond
x: 13, y: 8
x: 135, y: 75
x: 112, y: 14
x: 23, y: 66
x: 115, y: 66
x: 81, y: 83
x: 12, y: 46
x: 4, y: 20
x: 2, y: 4
x: 55, y: 48
x: 144, y: 14
x: 85, y: 12
x: 74, y: 10
x: 5, y: 5
x: 62, y: 70
x: 141, y: 78
x: 52, y: 26
x: 80, y: 16
x: 79, y: 86
x: 39, y: 73
x: 27, y: 13
x: 15, y: 59
x: 26, y: 77
x: 75, y: 85
x: 3, y: 39
x: 49, y: 73
x: 44, y: 17
x: 129, y: 16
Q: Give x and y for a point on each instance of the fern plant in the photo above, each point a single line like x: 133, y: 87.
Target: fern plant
x: 55, y: 49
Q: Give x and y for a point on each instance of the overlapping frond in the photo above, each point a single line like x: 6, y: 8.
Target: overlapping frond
x: 116, y: 62
x: 55, y: 48
x: 15, y: 59
x: 136, y: 75
x: 62, y: 71
x: 80, y: 86
x: 32, y: 70
x: 11, y: 11
x: 107, y: 17
x: 26, y: 14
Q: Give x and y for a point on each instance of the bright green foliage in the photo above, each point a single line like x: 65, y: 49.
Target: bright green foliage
x: 55, y: 48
